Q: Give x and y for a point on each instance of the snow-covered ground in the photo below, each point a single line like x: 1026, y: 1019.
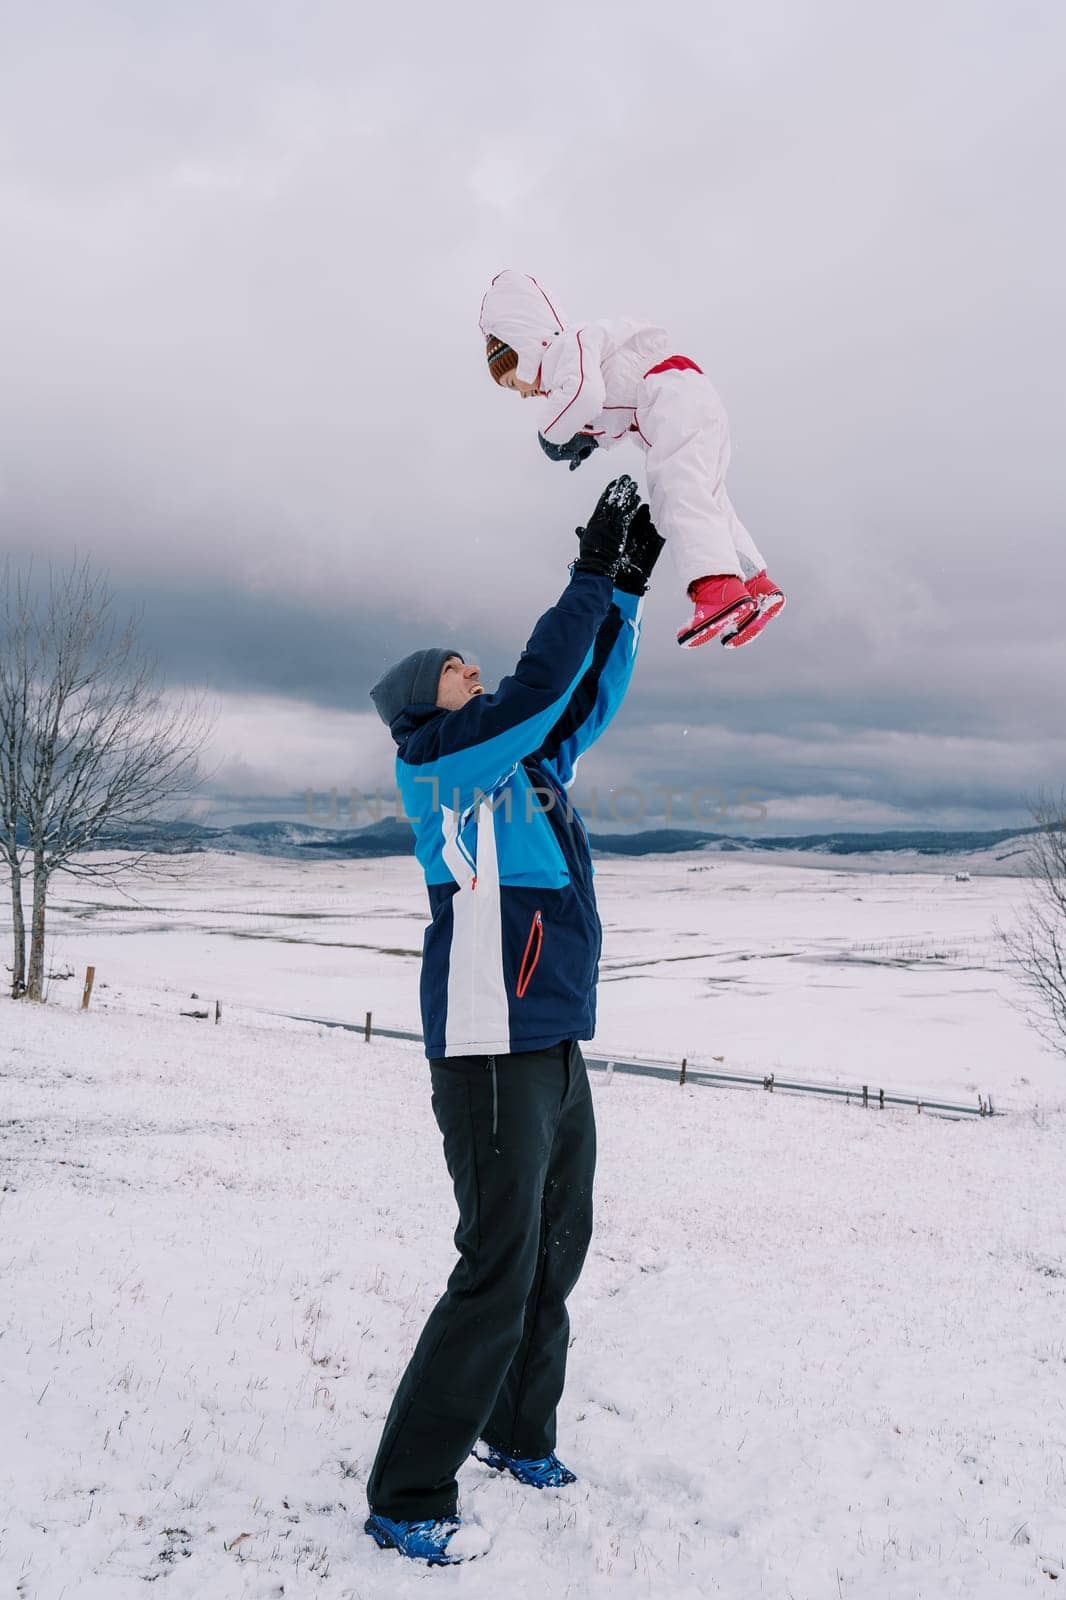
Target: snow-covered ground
x: 818, y: 1353
x: 817, y: 972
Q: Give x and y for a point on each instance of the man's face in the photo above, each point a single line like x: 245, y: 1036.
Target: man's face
x: 459, y: 682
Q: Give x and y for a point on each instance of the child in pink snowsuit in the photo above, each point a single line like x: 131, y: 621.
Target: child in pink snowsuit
x: 610, y: 381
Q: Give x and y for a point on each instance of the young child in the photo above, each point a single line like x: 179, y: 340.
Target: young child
x: 610, y: 381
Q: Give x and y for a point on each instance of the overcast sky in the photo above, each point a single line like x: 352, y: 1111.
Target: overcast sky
x: 244, y: 248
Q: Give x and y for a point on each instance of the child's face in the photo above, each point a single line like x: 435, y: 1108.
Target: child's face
x: 511, y: 380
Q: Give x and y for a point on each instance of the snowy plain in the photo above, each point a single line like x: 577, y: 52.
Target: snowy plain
x: 817, y: 1352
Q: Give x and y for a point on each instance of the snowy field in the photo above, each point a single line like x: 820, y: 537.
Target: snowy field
x: 825, y: 972
x: 818, y: 1353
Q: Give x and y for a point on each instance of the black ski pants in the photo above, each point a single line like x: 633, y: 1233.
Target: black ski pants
x: 520, y: 1143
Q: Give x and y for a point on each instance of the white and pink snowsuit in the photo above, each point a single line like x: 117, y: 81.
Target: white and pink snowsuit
x: 620, y: 380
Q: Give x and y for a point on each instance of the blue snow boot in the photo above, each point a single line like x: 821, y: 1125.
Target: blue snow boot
x: 422, y: 1541
x: 539, y: 1472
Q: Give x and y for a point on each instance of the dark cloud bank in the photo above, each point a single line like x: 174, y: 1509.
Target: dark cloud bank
x: 246, y: 250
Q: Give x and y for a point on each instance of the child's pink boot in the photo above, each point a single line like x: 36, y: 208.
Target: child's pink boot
x: 721, y: 602
x: 769, y: 600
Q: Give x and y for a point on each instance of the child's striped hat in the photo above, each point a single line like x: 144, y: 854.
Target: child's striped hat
x: 501, y: 358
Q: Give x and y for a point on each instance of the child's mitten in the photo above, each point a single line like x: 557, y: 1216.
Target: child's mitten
x: 575, y: 450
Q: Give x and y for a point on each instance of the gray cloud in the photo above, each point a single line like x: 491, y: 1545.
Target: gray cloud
x: 246, y: 248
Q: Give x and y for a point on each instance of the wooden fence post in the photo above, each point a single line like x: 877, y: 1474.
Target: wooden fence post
x: 865, y: 1096
x: 86, y: 993
x: 684, y: 1071
x: 881, y: 1099
x: 366, y: 1030
x: 218, y: 1012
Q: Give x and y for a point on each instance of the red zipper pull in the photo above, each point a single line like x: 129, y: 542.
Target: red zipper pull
x: 528, y: 967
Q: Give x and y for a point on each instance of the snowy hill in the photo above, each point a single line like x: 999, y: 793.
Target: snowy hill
x: 288, y: 840
x: 1000, y: 851
x: 931, y: 842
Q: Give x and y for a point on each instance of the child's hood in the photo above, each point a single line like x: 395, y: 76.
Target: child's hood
x: 517, y: 310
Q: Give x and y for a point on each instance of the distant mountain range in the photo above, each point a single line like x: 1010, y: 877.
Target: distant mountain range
x: 301, y: 840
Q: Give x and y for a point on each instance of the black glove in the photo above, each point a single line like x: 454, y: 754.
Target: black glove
x: 643, y: 547
x: 603, y: 539
x: 575, y: 450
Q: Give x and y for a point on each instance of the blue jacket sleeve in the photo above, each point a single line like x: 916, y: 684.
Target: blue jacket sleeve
x: 454, y: 757
x: 601, y: 690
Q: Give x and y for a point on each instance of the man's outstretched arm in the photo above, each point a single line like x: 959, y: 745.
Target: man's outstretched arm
x: 603, y: 685
x: 599, y: 691
x: 472, y: 749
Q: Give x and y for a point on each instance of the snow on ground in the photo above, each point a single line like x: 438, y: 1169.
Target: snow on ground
x: 812, y: 972
x: 818, y: 1352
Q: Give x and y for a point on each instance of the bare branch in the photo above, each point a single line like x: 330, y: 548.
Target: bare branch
x: 1036, y: 945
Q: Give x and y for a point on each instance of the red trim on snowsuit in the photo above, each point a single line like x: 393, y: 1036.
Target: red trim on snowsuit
x: 674, y: 364
x: 671, y: 364
x: 581, y: 385
x: 547, y: 302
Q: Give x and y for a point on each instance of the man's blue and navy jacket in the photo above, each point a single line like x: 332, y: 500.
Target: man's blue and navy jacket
x: 511, y: 954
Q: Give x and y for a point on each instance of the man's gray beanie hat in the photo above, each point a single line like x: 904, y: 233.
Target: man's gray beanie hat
x: 412, y: 681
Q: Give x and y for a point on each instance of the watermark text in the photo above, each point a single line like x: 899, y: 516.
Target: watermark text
x: 627, y: 803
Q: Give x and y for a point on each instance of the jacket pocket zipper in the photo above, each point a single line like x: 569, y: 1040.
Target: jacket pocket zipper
x: 531, y: 954
x: 495, y: 1105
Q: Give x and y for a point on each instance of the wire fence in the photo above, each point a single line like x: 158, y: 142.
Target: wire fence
x: 862, y: 1095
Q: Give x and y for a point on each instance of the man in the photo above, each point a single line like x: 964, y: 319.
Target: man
x: 508, y: 988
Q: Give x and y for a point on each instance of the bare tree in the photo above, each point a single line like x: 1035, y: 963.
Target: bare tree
x: 90, y: 743
x: 1037, y: 942
x: 16, y: 672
